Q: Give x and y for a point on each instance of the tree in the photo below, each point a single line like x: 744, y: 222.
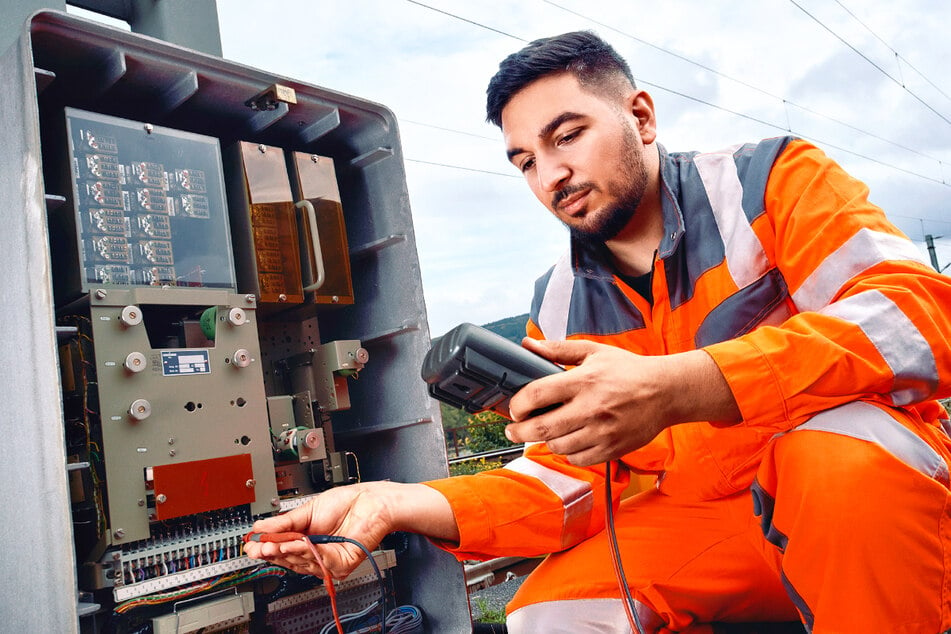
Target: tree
x: 486, y: 431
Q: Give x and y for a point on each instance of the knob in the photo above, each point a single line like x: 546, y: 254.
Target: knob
x: 140, y: 409
x: 237, y: 317
x: 312, y: 439
x: 241, y: 358
x: 131, y: 316
x: 135, y: 362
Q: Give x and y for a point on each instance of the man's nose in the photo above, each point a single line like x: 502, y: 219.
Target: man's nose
x: 552, y: 174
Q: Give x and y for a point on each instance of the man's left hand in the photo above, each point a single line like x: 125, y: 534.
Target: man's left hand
x: 615, y: 401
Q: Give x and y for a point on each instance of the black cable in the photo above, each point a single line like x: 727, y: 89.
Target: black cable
x: 336, y: 539
x: 615, y: 551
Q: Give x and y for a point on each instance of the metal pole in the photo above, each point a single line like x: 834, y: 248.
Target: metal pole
x: 929, y: 240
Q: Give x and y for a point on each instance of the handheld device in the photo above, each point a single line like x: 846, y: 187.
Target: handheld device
x: 476, y: 369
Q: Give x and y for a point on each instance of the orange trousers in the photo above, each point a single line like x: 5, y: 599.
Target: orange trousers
x: 845, y: 534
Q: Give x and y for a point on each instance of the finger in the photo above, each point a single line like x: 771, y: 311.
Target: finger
x: 538, y: 397
x: 574, y: 443
x: 294, y: 520
x: 542, y: 428
x: 587, y: 458
x: 568, y: 352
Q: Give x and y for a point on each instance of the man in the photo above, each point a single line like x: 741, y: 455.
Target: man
x: 745, y: 325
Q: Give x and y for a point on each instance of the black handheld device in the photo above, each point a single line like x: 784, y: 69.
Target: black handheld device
x: 476, y: 369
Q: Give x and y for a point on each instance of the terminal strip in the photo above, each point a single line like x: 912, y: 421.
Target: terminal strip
x: 173, y: 562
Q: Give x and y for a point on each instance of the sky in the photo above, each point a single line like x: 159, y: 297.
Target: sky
x: 867, y: 80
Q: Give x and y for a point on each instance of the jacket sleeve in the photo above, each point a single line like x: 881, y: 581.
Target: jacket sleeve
x: 511, y: 511
x: 872, y: 319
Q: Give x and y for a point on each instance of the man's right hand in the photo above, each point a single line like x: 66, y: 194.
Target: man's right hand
x: 365, y: 512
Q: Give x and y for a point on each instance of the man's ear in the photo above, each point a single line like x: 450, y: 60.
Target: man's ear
x: 642, y: 107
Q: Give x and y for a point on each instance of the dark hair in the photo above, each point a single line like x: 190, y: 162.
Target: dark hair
x: 582, y: 53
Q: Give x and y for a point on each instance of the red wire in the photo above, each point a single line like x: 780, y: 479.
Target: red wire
x: 329, y: 583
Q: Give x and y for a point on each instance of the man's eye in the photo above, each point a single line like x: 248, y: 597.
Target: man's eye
x: 527, y: 165
x: 568, y: 138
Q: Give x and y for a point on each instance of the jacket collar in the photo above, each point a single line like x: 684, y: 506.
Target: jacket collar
x: 594, y: 261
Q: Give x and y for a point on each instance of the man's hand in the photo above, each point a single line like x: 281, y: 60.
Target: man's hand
x: 615, y: 401
x: 364, y: 512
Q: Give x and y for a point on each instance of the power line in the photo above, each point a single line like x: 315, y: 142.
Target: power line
x: 454, y: 131
x: 710, y: 69
x: 778, y: 127
x: 459, y: 17
x: 899, y: 58
x: 460, y: 167
x: 867, y: 59
x: 686, y: 96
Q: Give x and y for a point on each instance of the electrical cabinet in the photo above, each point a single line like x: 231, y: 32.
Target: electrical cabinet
x: 214, y: 312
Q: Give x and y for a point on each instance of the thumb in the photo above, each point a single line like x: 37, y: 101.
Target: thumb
x: 561, y: 352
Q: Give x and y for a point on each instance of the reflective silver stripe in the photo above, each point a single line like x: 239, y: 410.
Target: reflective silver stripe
x: 745, y: 257
x: 579, y: 616
x: 859, y: 253
x: 553, y: 313
x: 575, y: 496
x: 903, y: 347
x: 867, y: 422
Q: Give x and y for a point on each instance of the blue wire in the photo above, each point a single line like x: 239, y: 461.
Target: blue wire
x: 336, y: 539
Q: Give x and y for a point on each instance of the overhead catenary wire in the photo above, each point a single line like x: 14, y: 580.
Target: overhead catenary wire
x: 899, y: 58
x: 939, y: 181
x: 785, y: 100
x: 869, y: 60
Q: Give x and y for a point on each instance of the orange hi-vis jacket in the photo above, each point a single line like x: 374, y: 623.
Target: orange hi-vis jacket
x: 806, y: 297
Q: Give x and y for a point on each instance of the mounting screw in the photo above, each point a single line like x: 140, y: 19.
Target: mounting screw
x: 275, y: 502
x: 314, y: 158
x: 171, y: 452
x: 282, y: 297
x: 119, y: 533
x: 250, y: 483
x: 160, y: 498
x: 101, y: 293
x: 335, y: 299
x: 141, y: 502
x: 148, y: 128
x: 262, y: 148
x: 249, y: 298
x: 171, y: 441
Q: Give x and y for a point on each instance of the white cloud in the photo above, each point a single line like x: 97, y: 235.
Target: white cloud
x: 482, y: 238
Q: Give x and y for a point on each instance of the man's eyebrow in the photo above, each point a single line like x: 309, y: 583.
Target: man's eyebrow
x: 547, y: 130
x: 556, y: 123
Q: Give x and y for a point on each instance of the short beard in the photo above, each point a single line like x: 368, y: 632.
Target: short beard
x: 628, y: 190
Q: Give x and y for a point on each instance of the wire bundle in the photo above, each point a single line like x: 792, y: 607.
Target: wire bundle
x: 225, y: 581
x: 405, y: 619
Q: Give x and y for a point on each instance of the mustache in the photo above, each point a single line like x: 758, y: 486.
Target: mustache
x: 569, y: 190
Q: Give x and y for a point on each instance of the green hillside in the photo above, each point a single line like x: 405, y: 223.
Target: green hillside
x: 512, y: 328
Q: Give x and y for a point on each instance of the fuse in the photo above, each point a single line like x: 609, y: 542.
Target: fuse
x: 155, y: 226
x: 191, y: 180
x: 103, y: 166
x: 111, y: 221
x: 150, y: 174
